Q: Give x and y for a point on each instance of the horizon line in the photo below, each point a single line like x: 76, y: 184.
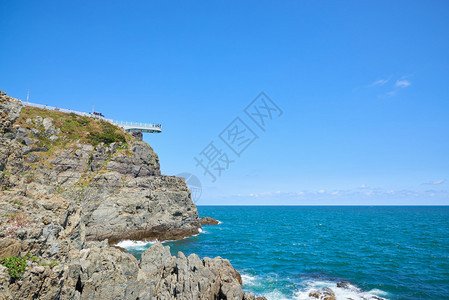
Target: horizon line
x: 336, y: 205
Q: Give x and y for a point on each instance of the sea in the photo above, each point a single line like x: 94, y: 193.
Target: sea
x: 285, y: 252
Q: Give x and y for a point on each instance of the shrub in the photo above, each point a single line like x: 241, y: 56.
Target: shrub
x: 107, y: 135
x: 16, y: 266
x: 106, y: 138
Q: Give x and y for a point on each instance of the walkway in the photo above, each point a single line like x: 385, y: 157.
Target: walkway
x: 127, y: 126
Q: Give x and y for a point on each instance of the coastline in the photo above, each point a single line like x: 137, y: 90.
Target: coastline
x: 73, y: 185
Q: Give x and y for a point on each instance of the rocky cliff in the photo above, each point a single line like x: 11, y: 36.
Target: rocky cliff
x: 68, y: 182
x: 114, y: 177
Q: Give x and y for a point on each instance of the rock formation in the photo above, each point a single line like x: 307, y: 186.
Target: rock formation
x: 208, y: 221
x: 69, y: 182
x: 323, y: 293
x: 118, y: 184
x: 138, y: 135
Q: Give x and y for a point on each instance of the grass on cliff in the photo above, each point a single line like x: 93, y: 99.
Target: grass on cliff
x: 73, y: 127
x: 16, y: 265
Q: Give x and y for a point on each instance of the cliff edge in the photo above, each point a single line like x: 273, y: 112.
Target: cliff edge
x: 115, y: 178
x: 68, y: 183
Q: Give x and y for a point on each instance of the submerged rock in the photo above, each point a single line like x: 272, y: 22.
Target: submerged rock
x: 345, y: 284
x: 249, y: 296
x: 208, y: 221
x: 323, y: 294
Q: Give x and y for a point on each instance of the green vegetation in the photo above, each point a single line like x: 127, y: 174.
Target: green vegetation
x: 70, y: 130
x: 16, y: 202
x: 16, y: 265
x: 107, y: 135
x: 51, y: 265
x: 74, y: 128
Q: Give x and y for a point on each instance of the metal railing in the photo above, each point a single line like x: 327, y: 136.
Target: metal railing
x: 91, y: 115
x: 137, y: 124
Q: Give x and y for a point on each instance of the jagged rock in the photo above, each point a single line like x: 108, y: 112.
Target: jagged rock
x: 138, y: 135
x: 9, y: 247
x: 32, y: 158
x: 189, y: 278
x: 49, y: 127
x: 21, y: 133
x: 249, y: 296
x: 208, y: 221
x: 323, y: 294
x: 28, y: 141
x: 344, y: 284
x: 4, y: 282
x: 37, y: 269
x: 29, y: 149
x: 38, y: 121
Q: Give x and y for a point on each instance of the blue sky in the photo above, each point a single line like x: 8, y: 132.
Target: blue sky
x: 363, y: 87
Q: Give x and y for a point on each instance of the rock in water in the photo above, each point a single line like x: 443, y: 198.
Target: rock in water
x: 323, y: 294
x: 208, y: 221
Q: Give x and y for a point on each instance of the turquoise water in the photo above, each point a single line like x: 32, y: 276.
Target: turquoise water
x: 285, y: 252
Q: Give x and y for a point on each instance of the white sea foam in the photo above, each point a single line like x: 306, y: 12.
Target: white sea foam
x: 276, y: 295
x: 135, y: 245
x: 142, y: 245
x: 351, y: 292
x: 249, y: 280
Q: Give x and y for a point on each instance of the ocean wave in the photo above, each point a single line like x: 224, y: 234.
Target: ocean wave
x: 135, y: 245
x: 143, y: 245
x: 276, y: 295
x: 350, y: 291
x: 249, y: 280
x: 263, y: 286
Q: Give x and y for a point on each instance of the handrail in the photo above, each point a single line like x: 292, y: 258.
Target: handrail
x: 115, y: 122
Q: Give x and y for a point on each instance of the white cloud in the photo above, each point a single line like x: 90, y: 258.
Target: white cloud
x: 438, y: 182
x: 402, y: 83
x: 356, y: 195
x: 379, y: 82
x: 363, y: 186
